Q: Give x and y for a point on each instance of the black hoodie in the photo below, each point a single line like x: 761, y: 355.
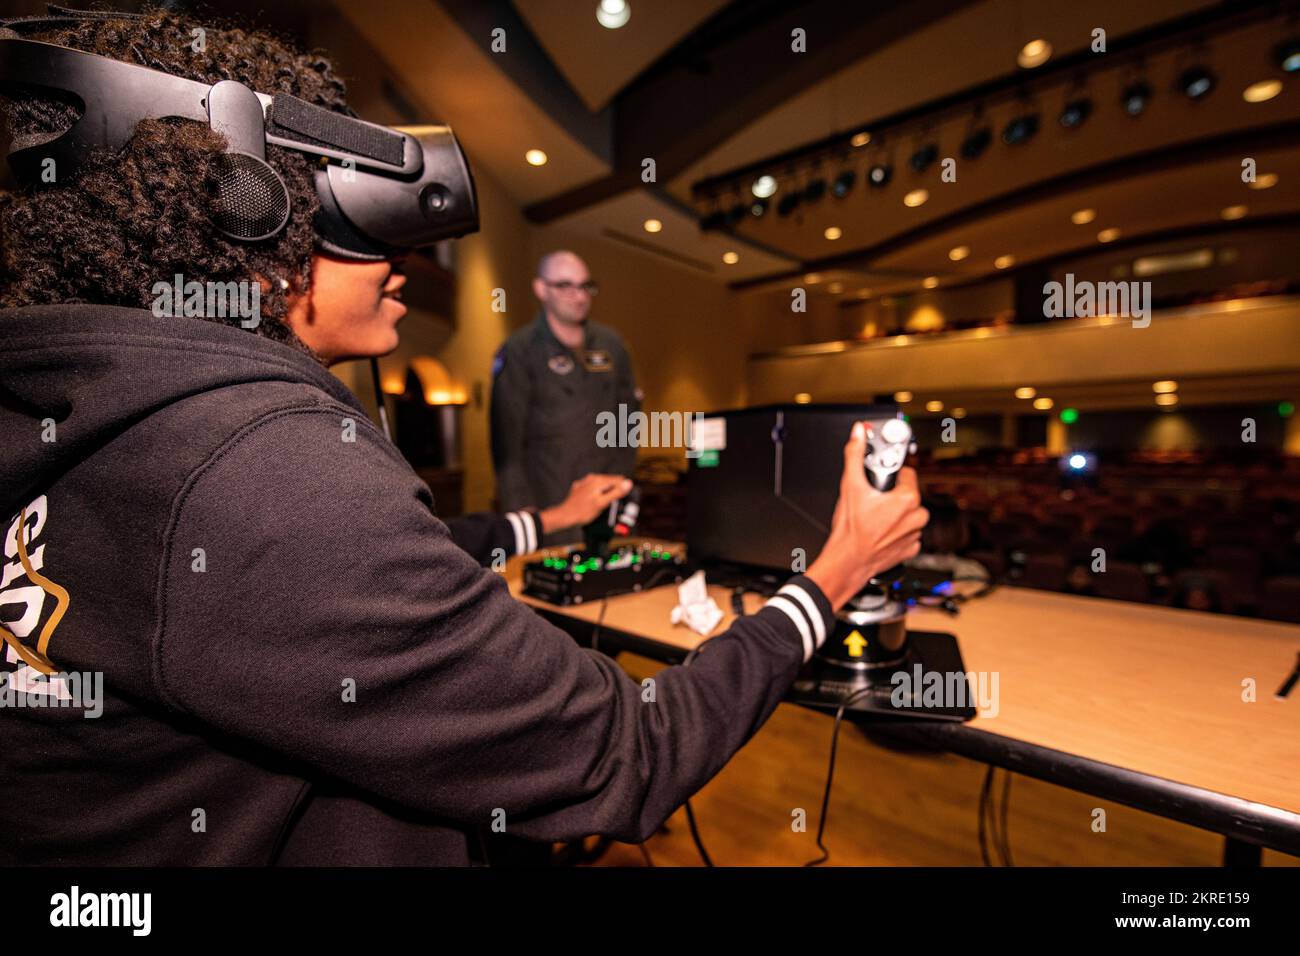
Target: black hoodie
x: 298, y: 663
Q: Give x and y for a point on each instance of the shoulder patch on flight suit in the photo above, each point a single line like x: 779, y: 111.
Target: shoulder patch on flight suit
x: 597, y: 360
x: 560, y: 364
x: 498, y: 361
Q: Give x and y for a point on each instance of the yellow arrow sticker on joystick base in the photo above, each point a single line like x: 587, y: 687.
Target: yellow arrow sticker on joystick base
x: 855, y: 642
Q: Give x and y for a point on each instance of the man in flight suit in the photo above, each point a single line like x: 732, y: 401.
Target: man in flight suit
x: 549, y: 382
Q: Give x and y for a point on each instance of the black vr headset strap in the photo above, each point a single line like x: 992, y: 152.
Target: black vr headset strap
x: 303, y: 126
x: 114, y: 95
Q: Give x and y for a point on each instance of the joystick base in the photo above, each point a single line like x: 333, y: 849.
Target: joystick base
x: 931, y: 661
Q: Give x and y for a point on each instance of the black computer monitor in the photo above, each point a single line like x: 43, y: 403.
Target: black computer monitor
x: 765, y: 481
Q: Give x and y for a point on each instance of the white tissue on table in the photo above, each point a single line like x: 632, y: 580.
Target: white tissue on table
x: 697, y: 610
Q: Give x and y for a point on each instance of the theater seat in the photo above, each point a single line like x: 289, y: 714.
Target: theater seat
x: 1045, y: 571
x: 1281, y: 600
x: 1123, y: 582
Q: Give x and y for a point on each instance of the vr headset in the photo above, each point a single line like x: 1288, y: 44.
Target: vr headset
x: 383, y: 190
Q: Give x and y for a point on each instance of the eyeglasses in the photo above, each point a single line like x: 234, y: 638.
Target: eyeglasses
x: 566, y: 286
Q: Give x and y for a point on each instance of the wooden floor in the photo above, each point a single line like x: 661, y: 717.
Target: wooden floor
x: 894, y: 808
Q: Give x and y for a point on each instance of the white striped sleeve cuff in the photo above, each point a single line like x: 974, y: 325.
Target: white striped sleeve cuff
x: 808, y: 610
x: 524, y: 526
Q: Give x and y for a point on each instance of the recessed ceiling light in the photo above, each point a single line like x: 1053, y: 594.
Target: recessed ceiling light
x: 1262, y: 91
x: 1043, y: 404
x: 730, y: 258
x: 930, y: 282
x: 653, y: 225
x: 864, y: 293
x: 1026, y: 391
x: 860, y: 140
x: 916, y: 197
x: 536, y: 157
x: 803, y: 398
x: 1081, y: 217
x: 833, y: 233
x: 901, y: 397
x: 1108, y: 235
x: 1004, y: 262
x: 1034, y: 53
x: 612, y: 14
x: 813, y: 278
x: 958, y: 253
x: 835, y: 288
x: 1167, y: 398
x: 763, y: 187
x: 1163, y: 386
x: 1265, y: 181
x: 1234, y: 212
x: 935, y: 406
x: 959, y: 413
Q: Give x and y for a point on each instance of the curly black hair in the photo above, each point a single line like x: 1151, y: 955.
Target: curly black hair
x: 129, y: 219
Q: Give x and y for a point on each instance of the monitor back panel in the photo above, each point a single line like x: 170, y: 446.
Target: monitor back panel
x: 766, y: 480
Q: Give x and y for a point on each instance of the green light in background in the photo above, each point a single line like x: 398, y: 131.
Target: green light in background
x: 1069, y: 415
x: 1285, y: 409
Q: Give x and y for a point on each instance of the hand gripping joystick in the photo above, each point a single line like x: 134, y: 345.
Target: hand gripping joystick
x: 887, y: 448
x: 870, y: 638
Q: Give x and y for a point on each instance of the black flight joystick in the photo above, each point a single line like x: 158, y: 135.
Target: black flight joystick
x: 869, y: 642
x: 618, y: 519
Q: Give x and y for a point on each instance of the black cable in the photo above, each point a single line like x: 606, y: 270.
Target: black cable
x: 993, y: 819
x: 695, y: 835
x: 995, y: 831
x: 604, y: 602
x: 830, y: 776
x: 985, y: 792
x: 690, y: 813
x: 1006, y: 801
x: 600, y: 620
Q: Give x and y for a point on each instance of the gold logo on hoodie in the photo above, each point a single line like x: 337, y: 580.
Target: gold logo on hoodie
x: 37, y: 659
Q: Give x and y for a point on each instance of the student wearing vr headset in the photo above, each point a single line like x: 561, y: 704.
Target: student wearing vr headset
x: 299, y: 663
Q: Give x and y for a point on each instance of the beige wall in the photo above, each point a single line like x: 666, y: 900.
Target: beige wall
x: 679, y: 327
x: 498, y: 256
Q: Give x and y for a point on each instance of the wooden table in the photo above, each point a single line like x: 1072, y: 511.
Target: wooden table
x: 1128, y: 702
